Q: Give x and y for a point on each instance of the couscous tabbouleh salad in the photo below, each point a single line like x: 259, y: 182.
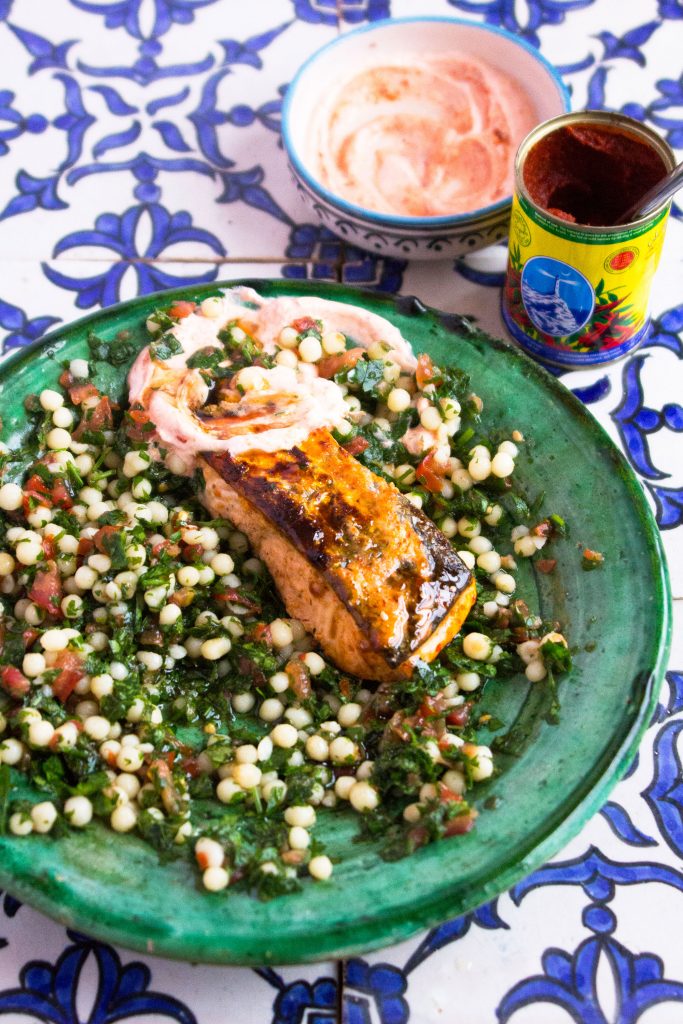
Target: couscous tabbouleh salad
x: 165, y: 670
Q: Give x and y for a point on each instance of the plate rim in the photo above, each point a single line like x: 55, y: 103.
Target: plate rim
x: 341, y: 940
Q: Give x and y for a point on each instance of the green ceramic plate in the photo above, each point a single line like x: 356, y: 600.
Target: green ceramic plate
x: 617, y: 620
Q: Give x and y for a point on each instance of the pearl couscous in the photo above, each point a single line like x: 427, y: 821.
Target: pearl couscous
x: 150, y: 677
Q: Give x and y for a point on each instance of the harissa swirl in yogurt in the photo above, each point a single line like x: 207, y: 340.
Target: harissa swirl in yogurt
x: 421, y: 138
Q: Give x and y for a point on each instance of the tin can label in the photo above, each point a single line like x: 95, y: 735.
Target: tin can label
x: 574, y: 297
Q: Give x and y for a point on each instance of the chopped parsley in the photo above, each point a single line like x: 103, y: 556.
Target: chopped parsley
x: 242, y: 349
x: 118, y: 352
x: 556, y: 656
x: 367, y: 374
x: 166, y: 347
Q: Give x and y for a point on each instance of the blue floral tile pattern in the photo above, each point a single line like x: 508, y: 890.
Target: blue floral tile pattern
x: 523, y: 19
x: 117, y: 236
x: 19, y: 330
x: 570, y: 981
x: 140, y: 149
x: 49, y: 991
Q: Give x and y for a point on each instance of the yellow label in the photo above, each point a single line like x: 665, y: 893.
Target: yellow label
x: 576, y: 297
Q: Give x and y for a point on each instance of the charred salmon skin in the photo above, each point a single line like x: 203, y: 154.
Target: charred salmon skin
x: 368, y: 574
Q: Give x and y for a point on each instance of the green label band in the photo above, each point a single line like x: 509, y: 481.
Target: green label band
x: 575, y: 234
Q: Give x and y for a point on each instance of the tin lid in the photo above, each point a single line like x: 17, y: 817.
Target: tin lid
x: 606, y: 119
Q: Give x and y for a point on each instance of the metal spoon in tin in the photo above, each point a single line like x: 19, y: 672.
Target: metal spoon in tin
x: 654, y: 197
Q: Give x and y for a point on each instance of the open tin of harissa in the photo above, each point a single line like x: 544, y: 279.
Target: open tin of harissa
x: 577, y: 295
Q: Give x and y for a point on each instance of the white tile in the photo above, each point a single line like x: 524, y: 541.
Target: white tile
x: 185, y: 988
x: 210, y: 154
x: 442, y: 285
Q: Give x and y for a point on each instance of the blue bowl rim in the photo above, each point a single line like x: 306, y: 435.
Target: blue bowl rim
x: 387, y: 220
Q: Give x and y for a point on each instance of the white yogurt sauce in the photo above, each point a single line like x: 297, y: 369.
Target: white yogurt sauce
x: 275, y: 417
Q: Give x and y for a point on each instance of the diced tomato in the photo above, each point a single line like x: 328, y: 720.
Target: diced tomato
x: 78, y: 393
x: 65, y: 684
x: 191, y: 552
x: 447, y: 796
x: 260, y: 632
x: 459, y: 717
x: 60, y: 494
x: 191, y: 766
x: 139, y: 429
x: 49, y: 547
x: 234, y: 597
x: 202, y: 860
x: 100, y: 418
x: 72, y: 670
x: 66, y: 379
x: 46, y: 589
x: 36, y: 492
x: 425, y: 372
x: 37, y: 484
x: 101, y: 538
x: 292, y: 856
x: 428, y: 719
x: 86, y: 546
x: 304, y: 323
x: 546, y: 565
x: 299, y: 677
x: 431, y: 707
x: 14, y: 682
x: 345, y: 687
x: 168, y: 546
x: 593, y: 557
x: 431, y: 473
x: 460, y: 824
x: 181, y: 308
x: 159, y: 771
x: 356, y: 445
x: 331, y: 365
x: 29, y: 636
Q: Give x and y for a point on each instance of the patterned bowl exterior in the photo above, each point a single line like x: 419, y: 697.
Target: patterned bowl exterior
x: 442, y: 242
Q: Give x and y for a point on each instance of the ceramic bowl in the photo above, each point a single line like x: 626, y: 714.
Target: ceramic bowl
x: 403, y: 237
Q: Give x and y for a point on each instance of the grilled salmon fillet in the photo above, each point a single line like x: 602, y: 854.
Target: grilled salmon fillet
x: 367, y: 573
